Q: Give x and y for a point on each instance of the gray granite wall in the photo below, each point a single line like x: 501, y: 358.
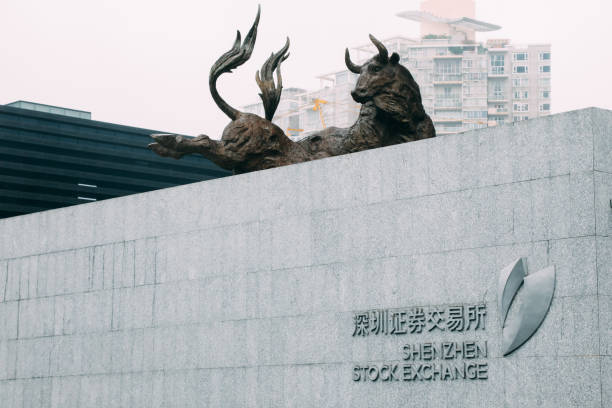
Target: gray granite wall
x: 242, y: 291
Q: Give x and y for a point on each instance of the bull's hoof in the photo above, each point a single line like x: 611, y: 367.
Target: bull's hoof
x: 168, y: 140
x: 164, y: 151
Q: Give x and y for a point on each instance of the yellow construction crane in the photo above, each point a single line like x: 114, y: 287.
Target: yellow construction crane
x: 317, y: 106
x: 293, y: 130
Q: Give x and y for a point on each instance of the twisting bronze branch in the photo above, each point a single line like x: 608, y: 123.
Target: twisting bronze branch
x: 236, y: 56
x: 271, y: 93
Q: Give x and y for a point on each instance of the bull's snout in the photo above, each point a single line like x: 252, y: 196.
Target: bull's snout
x: 359, y: 94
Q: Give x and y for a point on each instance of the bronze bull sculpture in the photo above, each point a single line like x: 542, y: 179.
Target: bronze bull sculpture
x: 391, y: 113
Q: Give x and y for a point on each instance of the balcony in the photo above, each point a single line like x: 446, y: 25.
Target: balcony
x: 447, y: 79
x: 448, y: 103
x: 447, y: 119
x: 497, y: 98
x: 448, y: 56
x: 497, y: 72
x: 497, y: 111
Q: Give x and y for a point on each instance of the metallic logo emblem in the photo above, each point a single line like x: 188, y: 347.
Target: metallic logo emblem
x: 537, y: 295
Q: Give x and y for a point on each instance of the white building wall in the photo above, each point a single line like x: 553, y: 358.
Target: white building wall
x: 463, y: 86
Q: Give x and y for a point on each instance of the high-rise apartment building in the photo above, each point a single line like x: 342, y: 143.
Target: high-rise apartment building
x: 464, y: 84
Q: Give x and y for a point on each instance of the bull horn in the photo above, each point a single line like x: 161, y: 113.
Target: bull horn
x: 383, y: 54
x: 356, y: 69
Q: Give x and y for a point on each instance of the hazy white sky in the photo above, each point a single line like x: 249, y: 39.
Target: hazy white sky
x: 145, y: 62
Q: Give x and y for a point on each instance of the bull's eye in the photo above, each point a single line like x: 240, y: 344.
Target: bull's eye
x: 375, y: 68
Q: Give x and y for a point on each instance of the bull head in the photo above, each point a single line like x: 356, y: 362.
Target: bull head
x: 382, y: 57
x: 376, y: 73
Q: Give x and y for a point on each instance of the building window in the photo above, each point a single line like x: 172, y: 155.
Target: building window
x: 475, y: 114
x: 294, y: 121
x: 521, y: 94
x: 544, y: 68
x: 416, y: 52
x: 497, y: 60
x: 544, y: 82
x: 498, y: 91
x: 519, y: 69
x: 545, y: 107
x: 497, y: 70
x: 520, y: 56
x: 467, y: 64
x: 474, y: 76
x: 521, y: 117
x: 545, y: 94
x: 544, y: 56
x: 447, y: 71
x: 521, y: 107
x: 517, y: 82
x: 447, y: 67
x: 497, y: 64
x: 500, y: 107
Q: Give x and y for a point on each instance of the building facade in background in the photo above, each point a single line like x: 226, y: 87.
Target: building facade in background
x: 53, y: 157
x: 464, y: 84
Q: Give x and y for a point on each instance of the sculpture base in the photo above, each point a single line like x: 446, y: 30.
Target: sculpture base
x: 361, y: 280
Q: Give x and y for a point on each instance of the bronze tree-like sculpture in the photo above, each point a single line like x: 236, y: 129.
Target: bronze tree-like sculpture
x: 391, y: 113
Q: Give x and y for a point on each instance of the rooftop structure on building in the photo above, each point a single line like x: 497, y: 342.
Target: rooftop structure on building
x: 53, y: 157
x: 464, y: 84
x: 57, y: 110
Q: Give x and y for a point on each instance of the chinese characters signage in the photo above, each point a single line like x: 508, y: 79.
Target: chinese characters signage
x: 426, y: 361
x: 420, y: 320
